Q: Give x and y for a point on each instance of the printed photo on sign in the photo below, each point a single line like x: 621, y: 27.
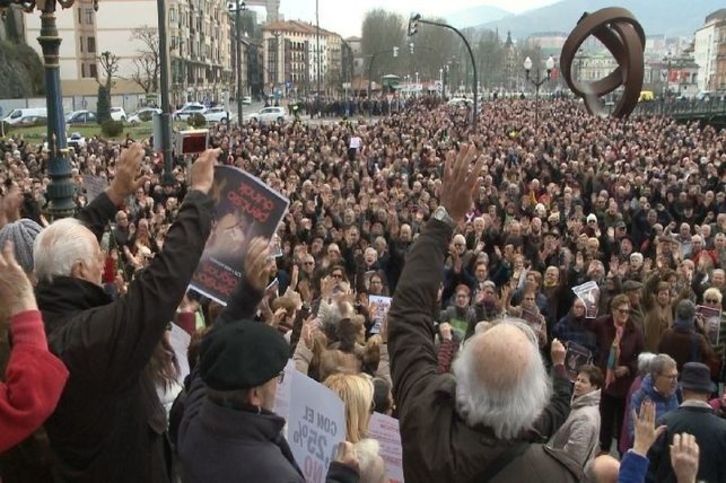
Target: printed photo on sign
x: 245, y: 208
x: 710, y: 321
x: 589, y: 293
x: 379, y: 307
x: 576, y: 357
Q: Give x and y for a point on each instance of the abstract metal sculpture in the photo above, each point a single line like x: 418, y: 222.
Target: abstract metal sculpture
x: 623, y: 36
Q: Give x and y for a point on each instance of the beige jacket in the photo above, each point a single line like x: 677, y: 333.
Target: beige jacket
x: 579, y: 435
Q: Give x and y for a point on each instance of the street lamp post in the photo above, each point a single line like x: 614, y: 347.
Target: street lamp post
x: 60, y: 190
x: 239, y: 6
x: 165, y: 116
x: 413, y: 22
x: 537, y: 82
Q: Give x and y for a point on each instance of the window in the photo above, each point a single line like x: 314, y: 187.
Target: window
x: 80, y: 42
x: 83, y: 70
x: 89, y: 16
x: 93, y: 72
x: 80, y: 16
x: 91, y: 44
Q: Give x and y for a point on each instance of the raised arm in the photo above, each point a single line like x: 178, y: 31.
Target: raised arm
x: 115, y: 341
x: 243, y: 303
x: 410, y: 319
x: 102, y: 210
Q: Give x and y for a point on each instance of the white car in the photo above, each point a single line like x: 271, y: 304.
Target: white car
x: 187, y: 110
x: 271, y: 114
x: 76, y: 141
x: 26, y: 116
x: 143, y: 115
x: 118, y: 114
x: 246, y: 100
x: 218, y: 114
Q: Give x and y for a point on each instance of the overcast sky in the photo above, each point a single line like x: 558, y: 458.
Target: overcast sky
x: 346, y: 16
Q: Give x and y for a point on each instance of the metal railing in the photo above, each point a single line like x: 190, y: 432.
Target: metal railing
x: 685, y: 108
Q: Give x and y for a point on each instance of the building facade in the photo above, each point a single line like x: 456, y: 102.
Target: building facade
x: 298, y: 60
x: 707, y: 45
x: 198, y: 35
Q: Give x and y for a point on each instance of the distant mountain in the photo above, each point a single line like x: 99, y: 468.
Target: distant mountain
x: 669, y: 17
x: 474, y: 16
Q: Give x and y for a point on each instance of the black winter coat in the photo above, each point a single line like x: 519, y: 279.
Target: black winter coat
x: 109, y: 425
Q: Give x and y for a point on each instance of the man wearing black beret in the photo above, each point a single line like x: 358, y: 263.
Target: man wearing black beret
x: 229, y: 432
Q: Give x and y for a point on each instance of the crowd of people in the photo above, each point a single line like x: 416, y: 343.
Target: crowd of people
x: 478, y: 234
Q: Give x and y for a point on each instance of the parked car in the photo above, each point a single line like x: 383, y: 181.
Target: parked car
x: 218, y: 114
x: 143, y: 115
x: 76, y: 141
x: 26, y: 116
x: 246, y: 100
x: 271, y: 114
x: 118, y: 114
x: 187, y: 110
x: 81, y: 117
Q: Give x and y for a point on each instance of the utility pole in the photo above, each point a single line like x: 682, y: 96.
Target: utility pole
x: 317, y: 41
x: 238, y: 59
x: 168, y: 178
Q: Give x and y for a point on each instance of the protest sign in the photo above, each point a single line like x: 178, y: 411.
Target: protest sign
x: 282, y: 396
x: 179, y: 340
x: 94, y: 186
x: 589, y: 293
x: 385, y: 430
x: 246, y: 208
x: 316, y: 425
x: 576, y: 357
x: 710, y: 320
x: 379, y: 311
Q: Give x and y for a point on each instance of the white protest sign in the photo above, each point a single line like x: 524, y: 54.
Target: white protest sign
x: 315, y: 426
x: 385, y: 430
x: 94, y: 185
x: 179, y: 340
x: 282, y: 397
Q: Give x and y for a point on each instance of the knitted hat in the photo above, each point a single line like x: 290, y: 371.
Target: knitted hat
x: 22, y: 233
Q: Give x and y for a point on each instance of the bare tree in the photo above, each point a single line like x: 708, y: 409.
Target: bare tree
x: 147, y: 63
x: 109, y: 69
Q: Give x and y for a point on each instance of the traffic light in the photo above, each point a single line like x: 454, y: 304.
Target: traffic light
x: 413, y: 24
x: 395, y: 52
x: 411, y: 47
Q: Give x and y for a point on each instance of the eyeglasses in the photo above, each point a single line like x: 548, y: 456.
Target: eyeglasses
x: 622, y: 311
x: 711, y: 301
x: 672, y: 377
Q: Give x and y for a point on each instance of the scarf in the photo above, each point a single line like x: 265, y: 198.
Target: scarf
x: 614, y: 355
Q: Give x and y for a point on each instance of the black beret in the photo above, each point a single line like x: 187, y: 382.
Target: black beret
x: 242, y: 355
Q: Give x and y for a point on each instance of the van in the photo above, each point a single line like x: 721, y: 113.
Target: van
x: 27, y: 116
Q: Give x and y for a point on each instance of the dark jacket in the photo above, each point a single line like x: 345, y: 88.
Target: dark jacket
x: 686, y: 346
x: 631, y: 345
x: 710, y: 433
x: 109, y: 425
x: 224, y: 445
x: 437, y: 444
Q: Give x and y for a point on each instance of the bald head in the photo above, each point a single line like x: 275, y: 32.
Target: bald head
x: 501, y: 381
x: 603, y: 469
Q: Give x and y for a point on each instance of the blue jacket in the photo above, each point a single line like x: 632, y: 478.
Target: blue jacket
x: 662, y: 405
x: 633, y: 468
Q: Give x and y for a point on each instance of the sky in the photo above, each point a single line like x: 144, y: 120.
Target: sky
x: 346, y: 16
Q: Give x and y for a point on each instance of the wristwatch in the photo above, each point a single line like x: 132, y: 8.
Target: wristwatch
x: 442, y: 215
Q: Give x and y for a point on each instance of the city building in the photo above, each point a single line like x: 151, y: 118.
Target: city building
x: 708, y: 44
x: 357, y: 51
x: 199, y: 45
x: 294, y: 65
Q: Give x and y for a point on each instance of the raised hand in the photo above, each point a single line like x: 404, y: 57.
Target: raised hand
x: 645, y: 430
x: 128, y: 176
x: 460, y: 181
x: 684, y: 457
x: 203, y: 171
x: 16, y: 291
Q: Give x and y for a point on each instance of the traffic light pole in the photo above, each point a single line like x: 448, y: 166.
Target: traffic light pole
x: 412, y: 27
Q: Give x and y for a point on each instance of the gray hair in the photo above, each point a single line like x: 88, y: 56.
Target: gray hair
x: 645, y: 359
x: 372, y: 468
x: 659, y: 364
x: 59, y: 247
x: 509, y: 410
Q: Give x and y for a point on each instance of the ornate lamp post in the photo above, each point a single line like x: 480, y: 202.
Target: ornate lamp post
x: 60, y: 190
x: 537, y: 81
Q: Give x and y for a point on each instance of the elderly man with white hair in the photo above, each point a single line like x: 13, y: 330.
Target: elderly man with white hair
x: 109, y: 424
x: 485, y: 422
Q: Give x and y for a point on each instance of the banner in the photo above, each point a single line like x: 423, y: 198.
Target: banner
x: 589, y: 293
x: 315, y: 426
x: 386, y: 431
x: 245, y: 208
x: 379, y: 311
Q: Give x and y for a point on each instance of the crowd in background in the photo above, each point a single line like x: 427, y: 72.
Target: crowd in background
x: 636, y: 206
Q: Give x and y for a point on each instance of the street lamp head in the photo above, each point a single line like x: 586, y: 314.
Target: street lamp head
x: 550, y: 64
x: 527, y: 64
